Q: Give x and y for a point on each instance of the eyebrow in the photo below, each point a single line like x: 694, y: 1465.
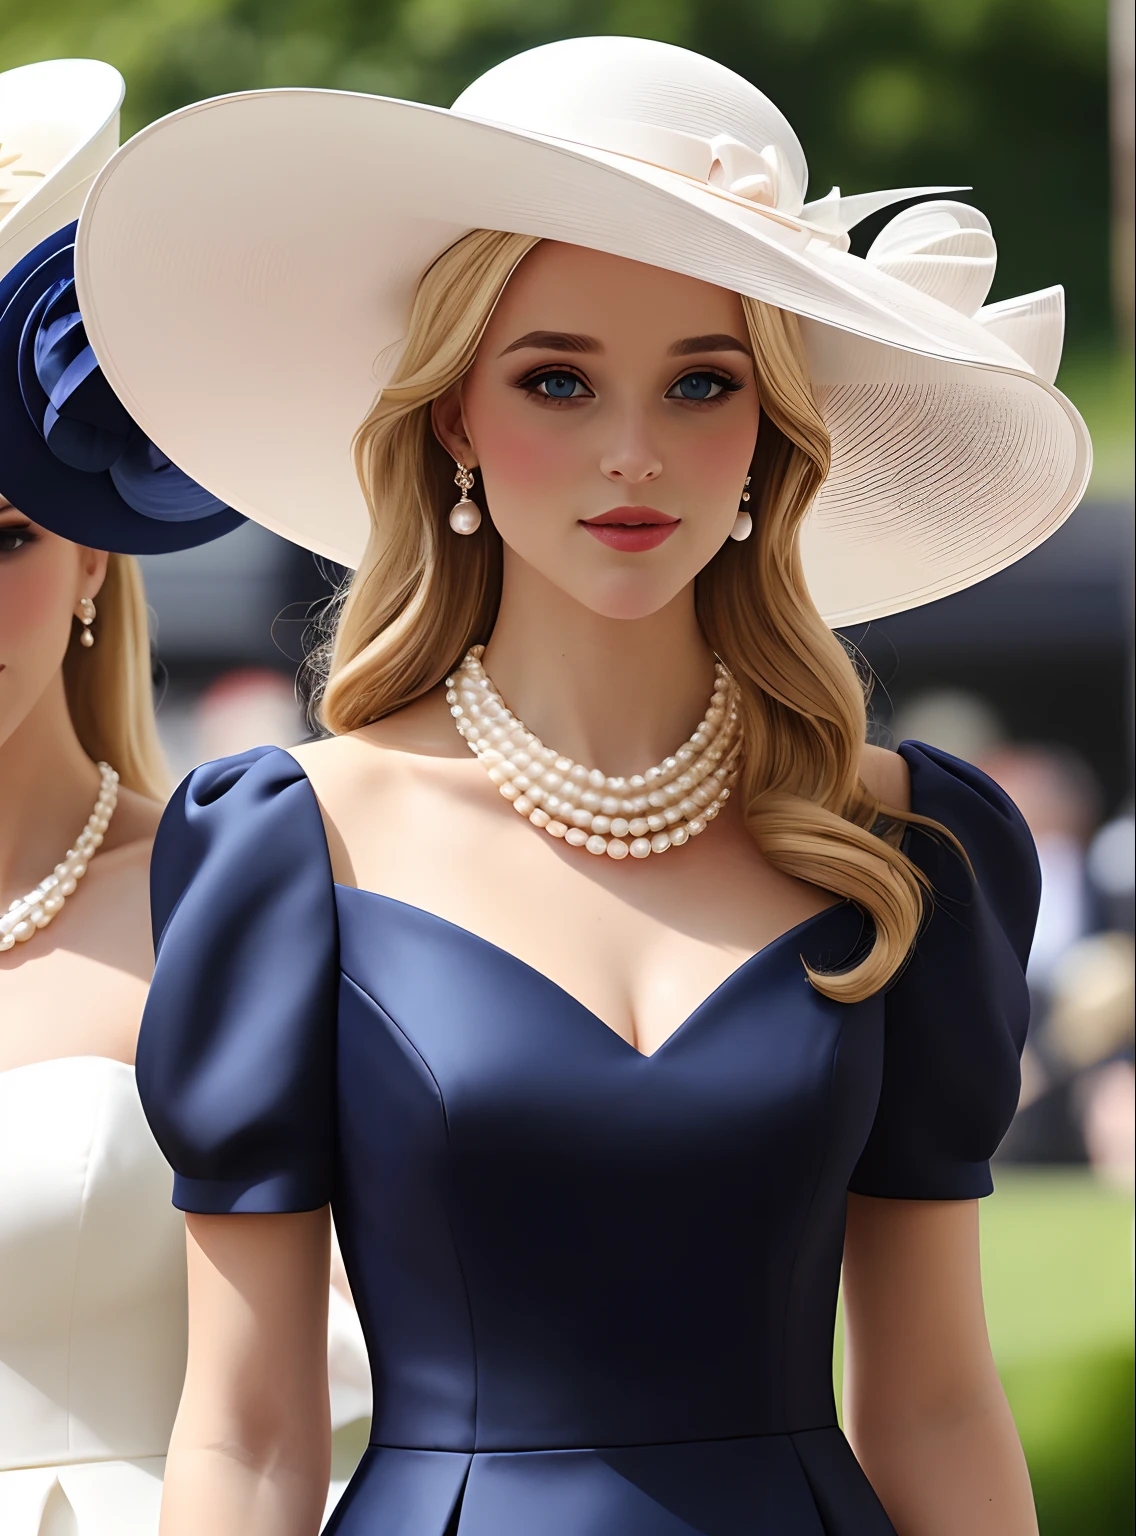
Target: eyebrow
x: 567, y: 341
x: 719, y: 342
x: 554, y: 341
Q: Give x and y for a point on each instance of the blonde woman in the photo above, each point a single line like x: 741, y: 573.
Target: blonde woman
x: 92, y: 1268
x: 601, y: 1092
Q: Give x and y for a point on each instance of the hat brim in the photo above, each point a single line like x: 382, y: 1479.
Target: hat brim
x: 85, y: 508
x: 81, y: 98
x: 246, y: 268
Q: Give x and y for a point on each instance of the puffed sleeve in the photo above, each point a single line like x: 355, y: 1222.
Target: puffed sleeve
x: 236, y: 1053
x: 955, y: 1020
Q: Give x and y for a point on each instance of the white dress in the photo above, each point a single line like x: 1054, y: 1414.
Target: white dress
x: 93, y: 1306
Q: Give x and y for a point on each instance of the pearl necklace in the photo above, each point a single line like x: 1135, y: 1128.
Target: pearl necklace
x: 646, y: 813
x: 35, y: 910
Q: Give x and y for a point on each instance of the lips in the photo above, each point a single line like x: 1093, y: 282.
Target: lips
x: 631, y: 529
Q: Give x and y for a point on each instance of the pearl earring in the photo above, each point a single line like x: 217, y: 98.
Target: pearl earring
x: 743, y: 523
x: 86, y: 617
x: 466, y: 516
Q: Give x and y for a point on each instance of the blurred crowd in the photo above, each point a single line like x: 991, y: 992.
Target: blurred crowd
x: 1078, y: 1096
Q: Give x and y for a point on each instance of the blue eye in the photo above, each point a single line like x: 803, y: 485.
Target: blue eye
x: 558, y: 386
x: 698, y: 386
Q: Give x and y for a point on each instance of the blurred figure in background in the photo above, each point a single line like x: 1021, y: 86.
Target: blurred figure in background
x: 249, y: 707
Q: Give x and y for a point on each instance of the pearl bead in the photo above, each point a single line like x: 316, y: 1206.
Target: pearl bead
x: 22, y: 932
x: 661, y: 808
x: 67, y: 887
x: 53, y: 904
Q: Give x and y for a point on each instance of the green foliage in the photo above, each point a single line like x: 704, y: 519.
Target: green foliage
x: 1009, y: 96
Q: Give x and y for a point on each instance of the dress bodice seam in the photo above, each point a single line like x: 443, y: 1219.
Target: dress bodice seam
x: 363, y: 992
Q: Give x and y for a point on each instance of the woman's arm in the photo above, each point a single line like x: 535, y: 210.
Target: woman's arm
x: 251, y: 1449
x: 923, y: 1406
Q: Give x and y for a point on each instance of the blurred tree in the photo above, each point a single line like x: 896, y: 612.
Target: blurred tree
x: 1008, y: 96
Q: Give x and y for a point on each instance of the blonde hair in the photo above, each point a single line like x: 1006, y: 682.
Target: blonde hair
x: 109, y: 686
x: 420, y: 599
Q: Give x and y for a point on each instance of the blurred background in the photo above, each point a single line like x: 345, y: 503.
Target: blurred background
x: 1030, y: 675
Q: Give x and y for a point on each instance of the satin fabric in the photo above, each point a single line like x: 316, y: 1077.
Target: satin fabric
x: 598, y: 1289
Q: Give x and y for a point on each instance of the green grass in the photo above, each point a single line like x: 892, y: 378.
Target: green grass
x: 1100, y: 385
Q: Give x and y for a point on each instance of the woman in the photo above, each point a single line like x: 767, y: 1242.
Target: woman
x: 92, y: 1272
x: 602, y: 1091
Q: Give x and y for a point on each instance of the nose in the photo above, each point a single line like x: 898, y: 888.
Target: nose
x: 631, y: 458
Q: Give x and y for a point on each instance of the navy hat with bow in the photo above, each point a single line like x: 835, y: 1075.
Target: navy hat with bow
x: 71, y: 457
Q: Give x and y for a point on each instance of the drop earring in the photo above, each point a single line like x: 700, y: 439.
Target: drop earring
x: 466, y: 516
x: 743, y: 523
x: 86, y: 617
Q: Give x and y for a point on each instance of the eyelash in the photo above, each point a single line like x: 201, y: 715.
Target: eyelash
x: 728, y: 386
x: 20, y: 535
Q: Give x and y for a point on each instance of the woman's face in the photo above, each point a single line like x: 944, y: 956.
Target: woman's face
x: 42, y: 580
x: 612, y: 414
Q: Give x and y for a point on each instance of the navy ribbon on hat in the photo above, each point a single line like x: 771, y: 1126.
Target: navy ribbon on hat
x: 84, y: 423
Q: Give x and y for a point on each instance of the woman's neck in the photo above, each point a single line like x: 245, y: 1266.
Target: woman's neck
x: 48, y: 785
x: 614, y: 694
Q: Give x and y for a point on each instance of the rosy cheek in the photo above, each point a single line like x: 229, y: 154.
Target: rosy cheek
x: 526, y: 455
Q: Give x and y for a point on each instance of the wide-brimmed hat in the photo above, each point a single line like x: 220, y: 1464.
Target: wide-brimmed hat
x: 71, y: 458
x: 246, y: 268
x: 58, y: 128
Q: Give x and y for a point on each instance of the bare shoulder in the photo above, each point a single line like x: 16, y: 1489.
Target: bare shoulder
x: 885, y: 775
x: 371, y: 757
x: 135, y: 820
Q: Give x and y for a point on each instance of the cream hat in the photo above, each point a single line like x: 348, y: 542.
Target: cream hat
x: 246, y: 266
x: 58, y: 128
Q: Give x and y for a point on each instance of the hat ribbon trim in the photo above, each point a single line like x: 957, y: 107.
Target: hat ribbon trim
x: 85, y: 425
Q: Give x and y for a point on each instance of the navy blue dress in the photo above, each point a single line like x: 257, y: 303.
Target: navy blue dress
x: 598, y: 1288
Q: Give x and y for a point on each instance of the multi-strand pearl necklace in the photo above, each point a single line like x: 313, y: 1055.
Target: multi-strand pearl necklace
x: 646, y: 813
x: 29, y: 913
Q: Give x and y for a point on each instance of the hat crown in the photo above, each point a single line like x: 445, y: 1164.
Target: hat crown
x: 650, y: 100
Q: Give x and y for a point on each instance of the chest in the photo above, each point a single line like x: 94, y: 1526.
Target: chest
x: 640, y: 944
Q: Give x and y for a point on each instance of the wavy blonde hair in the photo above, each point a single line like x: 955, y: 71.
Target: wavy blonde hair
x: 109, y: 687
x: 420, y: 599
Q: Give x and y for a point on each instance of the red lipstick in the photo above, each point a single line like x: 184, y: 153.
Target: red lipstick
x: 631, y: 529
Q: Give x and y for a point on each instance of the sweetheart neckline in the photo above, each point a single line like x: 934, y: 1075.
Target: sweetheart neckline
x: 742, y: 968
